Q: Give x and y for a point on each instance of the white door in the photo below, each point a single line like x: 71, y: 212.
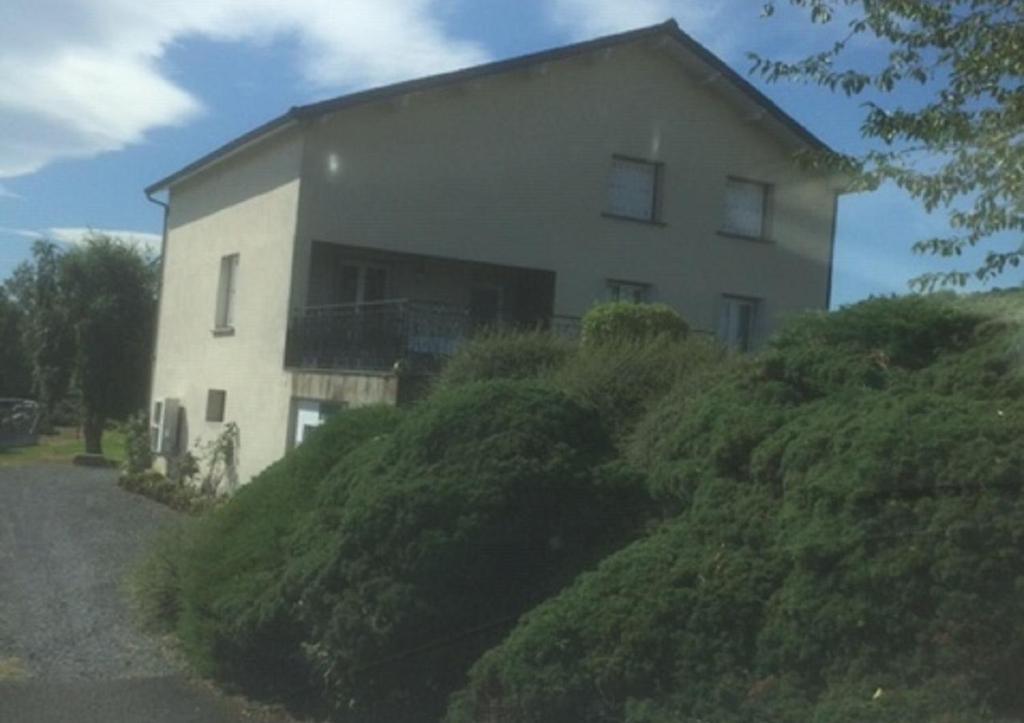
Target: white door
x: 307, y: 418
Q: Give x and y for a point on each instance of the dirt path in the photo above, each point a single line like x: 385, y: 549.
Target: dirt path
x: 68, y: 648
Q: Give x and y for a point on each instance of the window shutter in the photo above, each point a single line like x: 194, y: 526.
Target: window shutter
x: 745, y: 207
x: 631, y: 189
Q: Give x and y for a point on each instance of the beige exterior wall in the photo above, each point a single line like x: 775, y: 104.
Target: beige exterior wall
x: 512, y: 169
x: 509, y: 170
x: 244, y: 205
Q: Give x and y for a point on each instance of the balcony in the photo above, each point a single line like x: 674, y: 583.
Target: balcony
x: 374, y: 336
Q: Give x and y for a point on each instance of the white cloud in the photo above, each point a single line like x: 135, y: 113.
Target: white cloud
x: 8, y: 193
x: 80, y: 77
x: 72, y: 236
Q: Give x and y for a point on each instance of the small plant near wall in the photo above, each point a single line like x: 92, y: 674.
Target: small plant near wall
x: 182, y: 467
x: 138, y: 453
x: 219, y: 457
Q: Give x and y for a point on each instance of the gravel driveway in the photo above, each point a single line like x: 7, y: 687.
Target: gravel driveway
x: 68, y: 647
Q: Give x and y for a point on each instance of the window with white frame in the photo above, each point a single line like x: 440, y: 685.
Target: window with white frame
x: 628, y: 291
x: 633, y: 189
x: 226, y: 289
x: 738, y: 322
x: 746, y: 208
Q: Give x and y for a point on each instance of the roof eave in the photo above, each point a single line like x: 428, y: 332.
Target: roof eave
x: 228, y: 149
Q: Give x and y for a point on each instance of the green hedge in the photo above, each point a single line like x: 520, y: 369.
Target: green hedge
x: 622, y: 381
x: 849, y: 545
x: 233, y: 622
x: 426, y: 549
x: 370, y: 568
x: 620, y: 321
x: 619, y: 380
x: 506, y: 355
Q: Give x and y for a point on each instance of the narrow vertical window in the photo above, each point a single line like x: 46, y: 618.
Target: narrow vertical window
x: 633, y: 189
x: 738, y: 322
x: 746, y: 208
x: 216, y: 400
x: 226, y: 292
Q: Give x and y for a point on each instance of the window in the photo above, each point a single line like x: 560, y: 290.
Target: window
x: 226, y: 292
x: 738, y: 322
x: 746, y: 208
x: 633, y: 189
x: 628, y: 291
x: 215, y: 401
x: 335, y: 278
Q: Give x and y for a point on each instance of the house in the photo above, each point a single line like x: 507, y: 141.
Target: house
x: 312, y: 261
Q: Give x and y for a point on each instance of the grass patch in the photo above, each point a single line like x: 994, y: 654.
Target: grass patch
x: 62, y: 447
x: 12, y: 668
x: 154, y: 584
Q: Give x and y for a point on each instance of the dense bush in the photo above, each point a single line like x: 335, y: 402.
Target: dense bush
x: 413, y: 555
x: 850, y: 545
x: 619, y: 378
x: 231, y: 621
x: 621, y: 381
x: 506, y: 355
x: 619, y: 321
x: 483, y: 502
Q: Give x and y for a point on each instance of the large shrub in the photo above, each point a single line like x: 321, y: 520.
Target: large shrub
x: 427, y: 545
x: 621, y: 381
x: 620, y: 321
x: 505, y: 354
x: 849, y: 546
x: 232, y: 622
x: 959, y: 346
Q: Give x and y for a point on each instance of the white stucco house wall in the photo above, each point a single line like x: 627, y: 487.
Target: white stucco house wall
x: 308, y: 262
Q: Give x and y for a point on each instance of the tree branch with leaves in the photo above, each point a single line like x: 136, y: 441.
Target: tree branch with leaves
x: 962, y: 150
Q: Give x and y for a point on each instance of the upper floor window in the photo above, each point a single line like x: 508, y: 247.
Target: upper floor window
x: 628, y: 291
x: 738, y: 322
x: 226, y: 288
x: 633, y: 189
x: 746, y: 208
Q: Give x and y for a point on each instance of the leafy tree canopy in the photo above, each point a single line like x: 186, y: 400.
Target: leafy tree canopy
x: 962, y: 149
x: 15, y: 366
x: 109, y: 292
x: 34, y: 288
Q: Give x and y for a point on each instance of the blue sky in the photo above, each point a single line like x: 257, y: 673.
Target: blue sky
x: 99, y: 98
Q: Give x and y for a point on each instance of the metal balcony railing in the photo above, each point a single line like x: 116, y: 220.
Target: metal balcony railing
x: 374, y: 336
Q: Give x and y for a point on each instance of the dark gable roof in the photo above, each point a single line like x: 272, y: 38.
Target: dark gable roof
x: 669, y: 28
